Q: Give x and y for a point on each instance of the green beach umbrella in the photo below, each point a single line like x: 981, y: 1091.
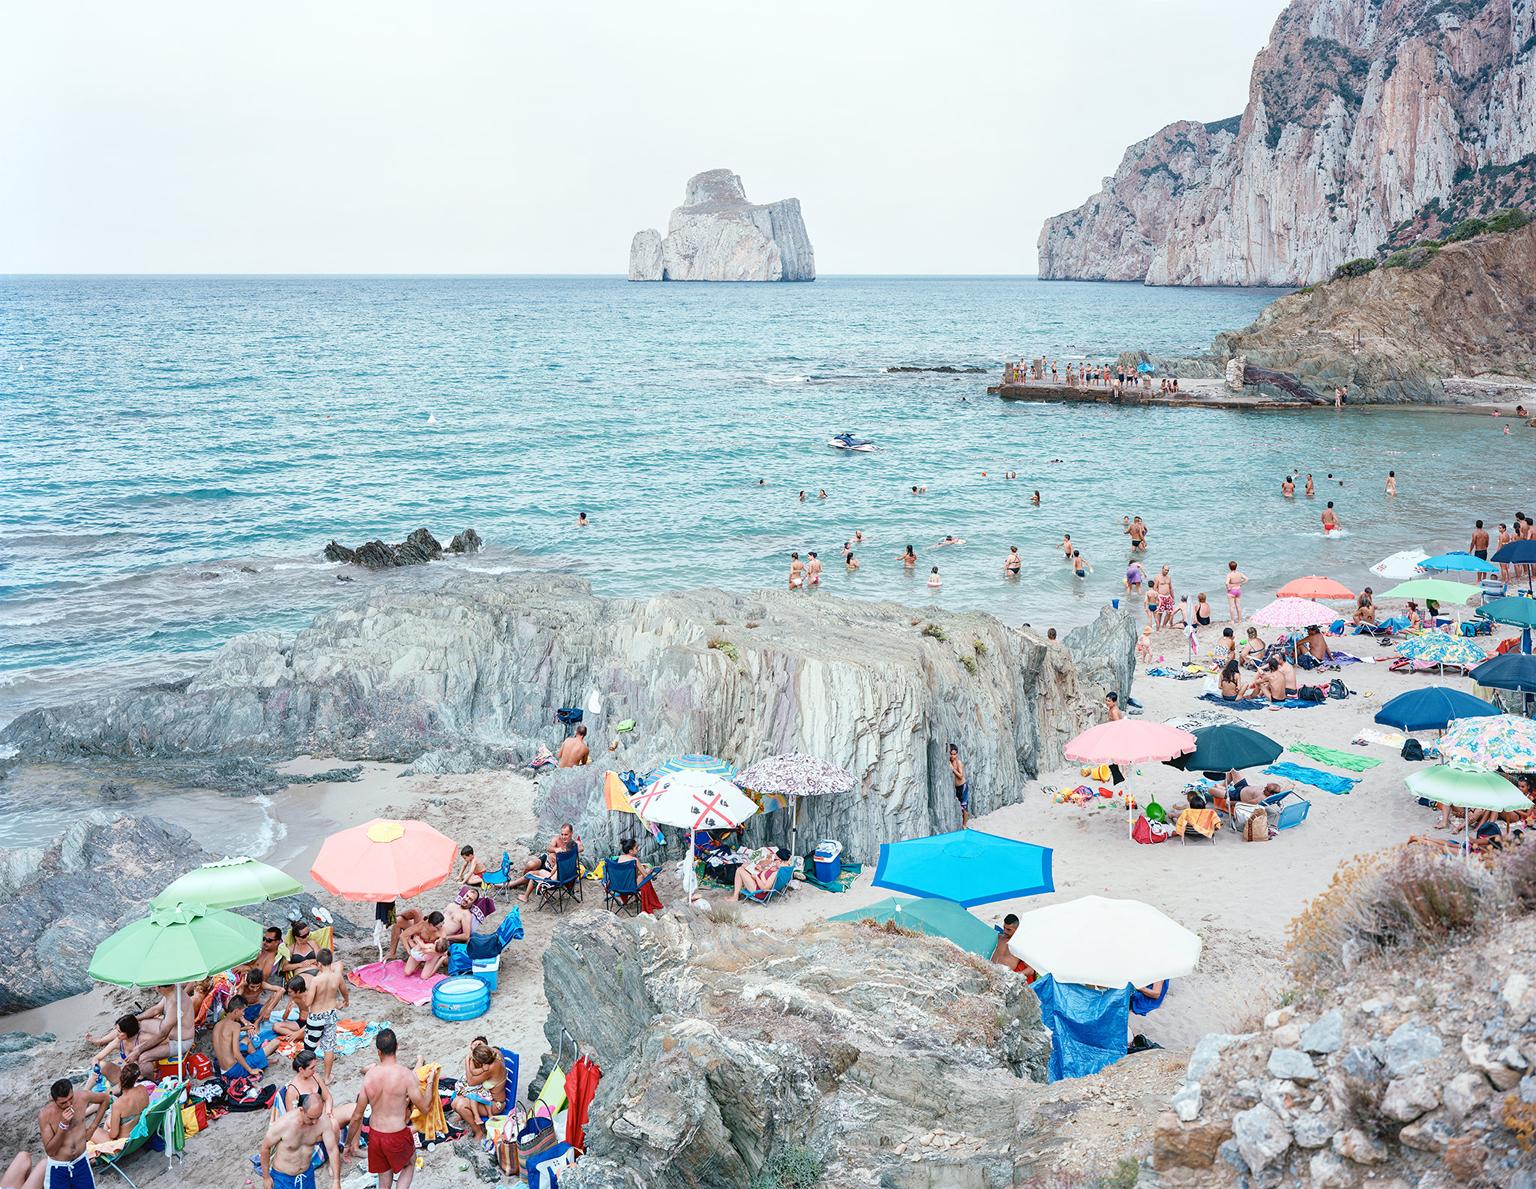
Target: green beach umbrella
x: 228, y: 883
x: 931, y: 915
x: 1467, y: 789
x: 1433, y: 588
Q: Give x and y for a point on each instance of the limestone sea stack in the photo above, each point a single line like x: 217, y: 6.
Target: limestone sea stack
x: 717, y: 235
x: 1369, y: 126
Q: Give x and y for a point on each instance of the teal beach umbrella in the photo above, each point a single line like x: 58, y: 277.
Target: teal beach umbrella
x: 970, y: 867
x: 695, y: 763
x: 1462, y: 561
x: 931, y: 915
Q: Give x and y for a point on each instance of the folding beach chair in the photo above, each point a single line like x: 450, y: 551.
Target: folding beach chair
x: 497, y: 880
x: 780, y: 882
x: 162, y: 1120
x: 1287, y: 809
x: 563, y: 885
x: 621, y: 888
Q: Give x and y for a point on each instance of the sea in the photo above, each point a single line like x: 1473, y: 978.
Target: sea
x: 175, y: 452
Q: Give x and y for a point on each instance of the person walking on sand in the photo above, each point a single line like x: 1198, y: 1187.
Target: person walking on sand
x: 1236, y: 579
x: 962, y: 786
x: 391, y: 1091
x: 288, y: 1148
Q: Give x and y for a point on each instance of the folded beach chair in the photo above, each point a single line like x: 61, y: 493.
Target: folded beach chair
x: 1287, y: 809
x: 563, y: 885
x: 501, y: 877
x: 780, y: 882
x: 621, y: 889
x: 162, y: 1119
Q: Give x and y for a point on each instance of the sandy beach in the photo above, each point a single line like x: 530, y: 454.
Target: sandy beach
x: 1238, y: 896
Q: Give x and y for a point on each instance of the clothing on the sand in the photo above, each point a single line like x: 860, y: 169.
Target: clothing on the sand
x: 1348, y: 760
x: 1257, y: 703
x: 74, y: 1174
x: 1316, y: 777
x: 391, y: 1151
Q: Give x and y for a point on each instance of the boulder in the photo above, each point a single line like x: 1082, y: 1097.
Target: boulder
x: 1261, y: 1137
x: 417, y: 549
x: 717, y: 235
x: 725, y: 1046
x: 1325, y: 1034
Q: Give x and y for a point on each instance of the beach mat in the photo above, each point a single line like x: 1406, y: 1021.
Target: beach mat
x: 1258, y: 703
x: 390, y: 978
x: 1348, y: 760
x: 843, y: 881
x: 1316, y: 777
x: 351, y: 1036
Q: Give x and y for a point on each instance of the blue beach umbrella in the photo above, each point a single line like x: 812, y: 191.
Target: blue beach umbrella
x: 695, y: 763
x: 1512, y: 670
x: 1514, y: 612
x: 935, y: 917
x: 1432, y: 708
x: 1516, y: 553
x: 1459, y: 560
x: 970, y: 867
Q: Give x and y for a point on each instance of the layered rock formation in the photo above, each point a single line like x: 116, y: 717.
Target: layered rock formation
x: 1366, y: 120
x: 417, y: 549
x: 885, y: 1059
x: 717, y: 235
x: 873, y: 687
x: 1396, y: 334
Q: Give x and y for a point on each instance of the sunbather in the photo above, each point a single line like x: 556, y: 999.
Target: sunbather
x: 546, y: 862
x: 159, y: 1037
x: 759, y: 876
x: 421, y: 953
x: 1365, y: 608
x: 118, y: 1048
x: 131, y: 1101
x: 1253, y: 649
x: 235, y: 1051
x: 483, y: 1092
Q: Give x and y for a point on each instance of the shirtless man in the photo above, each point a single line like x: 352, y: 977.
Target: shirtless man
x: 796, y: 572
x: 1001, y: 954
x: 1330, y: 520
x: 483, y: 1092
x: 65, y: 1134
x: 1288, y: 682
x: 232, y: 1055
x: 1138, y: 533
x: 962, y: 785
x: 1013, y: 563
x: 161, y: 1040
x: 1316, y: 643
x: 544, y: 863
x: 328, y: 994
x: 1311, y: 487
x: 391, y: 1091
x: 131, y: 1100
x: 574, y: 752
x: 1268, y: 683
x: 1480, y: 541
x: 813, y: 570
x: 1162, y: 587
x: 458, y: 920
x: 288, y: 1148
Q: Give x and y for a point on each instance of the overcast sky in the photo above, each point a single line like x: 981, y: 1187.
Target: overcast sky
x: 512, y: 137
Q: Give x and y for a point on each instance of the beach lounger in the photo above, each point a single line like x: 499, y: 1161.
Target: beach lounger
x: 621, y: 889
x: 564, y: 885
x: 162, y: 1119
x: 780, y: 882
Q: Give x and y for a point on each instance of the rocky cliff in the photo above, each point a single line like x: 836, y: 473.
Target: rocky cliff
x: 727, y: 1050
x: 1368, y: 123
x: 717, y: 235
x: 876, y: 688
x: 1397, y: 333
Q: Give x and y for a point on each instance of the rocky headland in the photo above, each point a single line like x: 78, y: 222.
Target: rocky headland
x: 717, y: 235
x: 1369, y: 125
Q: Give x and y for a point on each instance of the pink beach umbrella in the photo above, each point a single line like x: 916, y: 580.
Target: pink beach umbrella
x: 1294, y: 613
x: 1313, y: 586
x: 1129, y: 741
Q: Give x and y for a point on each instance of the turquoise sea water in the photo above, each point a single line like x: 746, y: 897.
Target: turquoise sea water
x: 175, y: 452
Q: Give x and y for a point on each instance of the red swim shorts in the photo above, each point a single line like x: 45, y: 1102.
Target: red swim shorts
x: 391, y: 1151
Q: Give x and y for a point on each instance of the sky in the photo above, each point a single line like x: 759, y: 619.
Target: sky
x: 514, y: 137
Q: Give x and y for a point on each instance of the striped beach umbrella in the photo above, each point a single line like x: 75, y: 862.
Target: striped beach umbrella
x: 709, y: 765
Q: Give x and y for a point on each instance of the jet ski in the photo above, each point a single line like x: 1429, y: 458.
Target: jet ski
x: 846, y: 441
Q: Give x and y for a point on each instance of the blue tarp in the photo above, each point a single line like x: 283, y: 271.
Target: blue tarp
x: 1088, y: 1028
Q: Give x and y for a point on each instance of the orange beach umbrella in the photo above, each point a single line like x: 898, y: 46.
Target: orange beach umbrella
x: 383, y: 860
x: 1315, y: 587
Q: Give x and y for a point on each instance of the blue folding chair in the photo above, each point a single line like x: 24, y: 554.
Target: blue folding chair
x: 501, y: 877
x: 621, y: 888
x: 780, y: 882
x: 563, y: 885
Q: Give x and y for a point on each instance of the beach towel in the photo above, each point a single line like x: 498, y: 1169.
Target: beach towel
x: 1258, y: 703
x: 1201, y: 821
x: 1343, y: 658
x: 580, y: 1086
x: 1334, y: 758
x: 1088, y: 1027
x: 841, y: 884
x: 352, y: 1036
x: 1392, y: 739
x: 1316, y: 777
x: 390, y: 978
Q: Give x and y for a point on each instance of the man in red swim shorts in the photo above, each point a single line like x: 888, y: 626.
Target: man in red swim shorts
x: 391, y: 1091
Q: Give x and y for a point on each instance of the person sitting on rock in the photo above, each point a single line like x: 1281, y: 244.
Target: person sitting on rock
x: 574, y: 752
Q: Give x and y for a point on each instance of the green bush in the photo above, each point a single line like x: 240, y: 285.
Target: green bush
x: 969, y: 662
x: 796, y: 1167
x: 1508, y: 220
x: 1357, y: 267
x: 1415, y: 257
x: 1466, y: 229
x: 935, y: 632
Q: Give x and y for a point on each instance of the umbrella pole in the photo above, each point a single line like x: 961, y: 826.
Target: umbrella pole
x: 179, y: 1046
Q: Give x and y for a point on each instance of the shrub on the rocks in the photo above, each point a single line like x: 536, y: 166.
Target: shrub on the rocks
x: 1508, y: 220
x: 1357, y: 267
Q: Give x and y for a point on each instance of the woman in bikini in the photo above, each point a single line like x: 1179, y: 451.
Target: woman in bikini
x: 303, y: 957
x: 131, y: 1101
x: 1231, y: 681
x: 759, y: 876
x: 1235, y: 580
x: 483, y: 1092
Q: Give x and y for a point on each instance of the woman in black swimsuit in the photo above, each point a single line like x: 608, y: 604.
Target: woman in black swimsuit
x: 1203, y: 611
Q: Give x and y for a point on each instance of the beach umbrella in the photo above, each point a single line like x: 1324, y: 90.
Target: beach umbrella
x: 969, y: 867
x: 383, y: 860
x: 1225, y: 746
x: 1505, y: 743
x: 1399, y: 565
x: 1129, y: 741
x: 229, y: 883
x: 1510, y: 670
x: 1100, y: 942
x: 1513, y: 612
x: 1294, y: 613
x: 695, y: 763
x: 693, y: 799
x: 1516, y: 553
x: 1461, y: 561
x: 1441, y: 648
x: 1467, y: 789
x: 1433, y: 588
x: 175, y: 944
x: 795, y: 775
x: 931, y: 915
x: 1314, y: 587
x: 1432, y: 708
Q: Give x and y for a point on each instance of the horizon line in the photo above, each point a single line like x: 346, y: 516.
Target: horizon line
x: 605, y: 276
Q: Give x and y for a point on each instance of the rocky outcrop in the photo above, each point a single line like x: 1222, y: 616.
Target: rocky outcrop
x: 727, y: 1050
x: 63, y: 899
x: 417, y: 549
x: 875, y: 688
x: 1367, y: 120
x: 1396, y: 333
x: 717, y: 235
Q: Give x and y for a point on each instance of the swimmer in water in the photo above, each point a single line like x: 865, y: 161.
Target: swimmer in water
x: 1080, y: 566
x: 949, y: 541
x: 1035, y: 499
x: 851, y: 562
x: 813, y: 570
x: 1013, y: 563
x: 909, y: 558
x: 1330, y: 520
x: 1391, y: 482
x: 822, y: 494
x: 1288, y: 487
x: 802, y: 497
x: 796, y: 572
x: 1066, y: 546
x: 1311, y: 487
x: 934, y: 579
x: 581, y: 520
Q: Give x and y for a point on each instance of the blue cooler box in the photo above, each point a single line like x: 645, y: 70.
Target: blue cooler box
x: 827, y: 860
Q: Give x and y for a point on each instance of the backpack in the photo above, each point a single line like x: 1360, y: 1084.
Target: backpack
x: 569, y: 715
x: 1337, y: 689
x: 1312, y: 693
x: 1413, y: 750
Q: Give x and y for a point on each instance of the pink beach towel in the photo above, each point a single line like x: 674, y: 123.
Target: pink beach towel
x: 390, y: 977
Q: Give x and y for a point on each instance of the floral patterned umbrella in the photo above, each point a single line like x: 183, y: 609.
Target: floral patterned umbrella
x: 1441, y: 648
x: 1503, y: 742
x: 796, y: 775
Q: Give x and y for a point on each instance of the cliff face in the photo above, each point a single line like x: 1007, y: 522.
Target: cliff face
x: 1394, y: 334
x: 717, y: 235
x: 1368, y: 121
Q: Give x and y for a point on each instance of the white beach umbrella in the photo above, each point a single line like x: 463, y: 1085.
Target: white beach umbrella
x: 693, y: 800
x: 1100, y: 942
x: 1400, y: 566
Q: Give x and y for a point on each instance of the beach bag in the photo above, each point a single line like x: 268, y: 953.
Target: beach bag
x: 535, y: 1137
x: 1143, y: 833
x: 1256, y: 828
x: 194, y: 1118
x: 1312, y: 693
x: 1337, y: 689
x: 1413, y: 750
x: 568, y: 715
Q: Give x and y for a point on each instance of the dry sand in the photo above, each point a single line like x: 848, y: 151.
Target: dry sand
x: 1238, y: 896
